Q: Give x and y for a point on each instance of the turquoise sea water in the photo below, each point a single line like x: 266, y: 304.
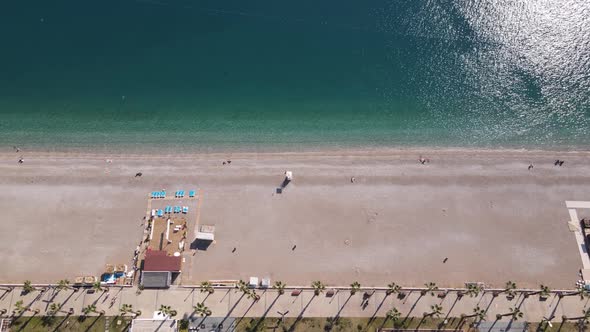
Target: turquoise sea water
x: 189, y: 75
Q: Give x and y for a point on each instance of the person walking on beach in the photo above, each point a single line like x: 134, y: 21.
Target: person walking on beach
x: 530, y: 166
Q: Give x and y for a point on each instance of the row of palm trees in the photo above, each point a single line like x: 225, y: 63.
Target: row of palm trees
x: 472, y: 290
x: 63, y: 284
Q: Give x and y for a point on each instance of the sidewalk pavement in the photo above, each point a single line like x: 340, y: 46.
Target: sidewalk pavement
x: 232, y: 303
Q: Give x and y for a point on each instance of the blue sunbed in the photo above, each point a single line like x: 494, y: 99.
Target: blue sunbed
x: 191, y: 193
x: 185, y: 209
x: 160, y: 213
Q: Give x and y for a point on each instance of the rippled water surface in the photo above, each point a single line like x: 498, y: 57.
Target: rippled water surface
x: 208, y: 75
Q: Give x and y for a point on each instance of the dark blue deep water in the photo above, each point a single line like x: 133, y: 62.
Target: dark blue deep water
x: 190, y: 75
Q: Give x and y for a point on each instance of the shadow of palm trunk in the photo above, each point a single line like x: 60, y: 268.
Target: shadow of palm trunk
x: 246, y: 312
x: 89, y: 328
x: 377, y: 310
x: 552, y: 313
x: 412, y: 308
x: 67, y: 298
x: 489, y: 305
x: 342, y: 307
x: 451, y: 309
x: 61, y: 323
x: 493, y: 324
x: 420, y: 322
x: 232, y: 308
x: 27, y: 322
x: 266, y: 312
x: 300, y: 316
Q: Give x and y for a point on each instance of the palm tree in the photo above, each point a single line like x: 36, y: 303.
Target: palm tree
x: 515, y: 314
x: 430, y: 287
x: 91, y: 308
x: 394, y: 315
x: 354, y: 287
x: 478, y: 312
x: 544, y: 293
x: 125, y: 308
x: 509, y: 289
x: 19, y: 308
x: 207, y: 287
x: 63, y: 284
x: 202, y: 310
x: 53, y: 309
x: 128, y: 308
x: 473, y: 290
x: 393, y: 288
x: 252, y: 295
x: 241, y: 284
x: 318, y: 287
x: 167, y: 310
x: 28, y: 287
x: 436, y: 310
x: 97, y: 286
x: 280, y: 287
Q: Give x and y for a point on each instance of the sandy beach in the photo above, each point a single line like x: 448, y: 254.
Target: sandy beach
x: 69, y: 214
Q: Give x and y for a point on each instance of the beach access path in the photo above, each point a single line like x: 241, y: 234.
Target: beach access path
x: 69, y: 214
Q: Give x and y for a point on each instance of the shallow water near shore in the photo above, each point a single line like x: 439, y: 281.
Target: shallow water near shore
x: 198, y: 76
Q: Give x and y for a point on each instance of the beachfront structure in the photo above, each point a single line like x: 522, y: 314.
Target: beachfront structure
x: 159, y: 269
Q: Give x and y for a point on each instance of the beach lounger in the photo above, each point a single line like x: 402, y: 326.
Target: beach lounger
x: 191, y: 193
x: 160, y: 213
x: 185, y: 209
x: 163, y: 194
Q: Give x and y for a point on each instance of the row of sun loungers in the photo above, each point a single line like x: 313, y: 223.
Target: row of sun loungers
x: 158, y: 194
x: 177, y: 194
x: 180, y: 194
x: 170, y: 209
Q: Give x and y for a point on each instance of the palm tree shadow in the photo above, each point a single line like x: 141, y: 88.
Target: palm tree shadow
x: 61, y: 323
x: 266, y: 312
x: 552, y: 313
x: 412, y: 308
x: 189, y: 294
x: 98, y: 298
x: 489, y: 305
x: 342, y: 307
x: 232, y: 308
x: 26, y: 323
x: 377, y: 310
x: 67, y: 299
x: 492, y: 326
x: 246, y: 312
x: 560, y: 325
x: 300, y: 316
x: 451, y: 309
x: 89, y: 328
x: 420, y: 322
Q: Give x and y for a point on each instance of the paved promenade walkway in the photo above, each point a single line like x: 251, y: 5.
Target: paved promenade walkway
x: 232, y: 303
